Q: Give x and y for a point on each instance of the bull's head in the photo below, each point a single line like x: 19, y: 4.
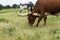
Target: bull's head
x: 31, y: 17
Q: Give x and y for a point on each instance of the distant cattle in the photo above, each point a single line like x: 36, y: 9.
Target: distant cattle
x: 22, y: 7
x: 42, y: 8
x: 27, y: 6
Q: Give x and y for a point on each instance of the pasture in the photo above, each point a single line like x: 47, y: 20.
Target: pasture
x: 14, y: 27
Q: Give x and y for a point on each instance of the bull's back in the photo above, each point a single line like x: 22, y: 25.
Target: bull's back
x: 51, y: 6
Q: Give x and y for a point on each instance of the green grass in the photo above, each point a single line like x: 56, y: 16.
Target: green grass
x: 14, y: 27
x: 3, y: 20
x: 12, y: 11
x: 9, y: 10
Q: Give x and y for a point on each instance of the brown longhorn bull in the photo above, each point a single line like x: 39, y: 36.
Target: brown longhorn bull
x: 42, y: 8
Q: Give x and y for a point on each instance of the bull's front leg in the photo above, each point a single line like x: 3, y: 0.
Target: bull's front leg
x: 40, y: 18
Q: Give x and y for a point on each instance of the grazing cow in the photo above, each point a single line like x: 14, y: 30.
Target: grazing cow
x: 43, y: 8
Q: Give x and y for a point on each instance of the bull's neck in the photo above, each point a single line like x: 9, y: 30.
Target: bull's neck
x: 35, y: 8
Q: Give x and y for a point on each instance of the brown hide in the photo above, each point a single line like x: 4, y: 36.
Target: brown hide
x: 43, y: 6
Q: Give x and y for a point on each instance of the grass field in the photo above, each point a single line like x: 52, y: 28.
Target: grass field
x: 14, y: 27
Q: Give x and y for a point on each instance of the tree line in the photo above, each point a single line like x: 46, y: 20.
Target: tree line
x: 7, y: 6
x: 13, y: 6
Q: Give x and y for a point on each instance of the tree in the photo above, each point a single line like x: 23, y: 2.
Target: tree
x: 7, y: 7
x: 14, y: 5
x: 1, y: 7
x: 31, y: 4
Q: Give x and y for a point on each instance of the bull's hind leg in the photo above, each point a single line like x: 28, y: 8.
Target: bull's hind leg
x: 45, y: 18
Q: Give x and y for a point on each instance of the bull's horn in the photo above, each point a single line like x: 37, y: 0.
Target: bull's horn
x: 23, y: 15
x: 29, y: 12
x: 36, y: 14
